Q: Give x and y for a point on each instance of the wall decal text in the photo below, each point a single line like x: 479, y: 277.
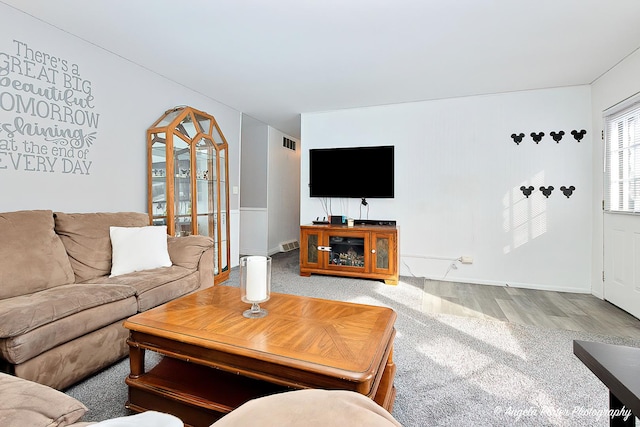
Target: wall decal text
x: 48, y: 121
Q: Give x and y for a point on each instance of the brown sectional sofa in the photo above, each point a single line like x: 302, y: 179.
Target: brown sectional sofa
x: 60, y: 313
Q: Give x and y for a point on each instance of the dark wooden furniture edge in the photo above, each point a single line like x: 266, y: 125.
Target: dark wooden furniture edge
x: 618, y: 367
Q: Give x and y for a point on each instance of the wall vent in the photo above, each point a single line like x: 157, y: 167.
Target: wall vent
x: 289, y: 246
x: 288, y: 143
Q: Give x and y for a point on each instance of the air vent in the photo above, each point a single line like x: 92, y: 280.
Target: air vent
x: 289, y: 246
x: 288, y: 143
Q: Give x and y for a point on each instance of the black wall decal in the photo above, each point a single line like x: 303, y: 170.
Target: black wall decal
x: 517, y: 138
x: 567, y: 191
x: 547, y: 191
x: 578, y: 135
x: 526, y: 190
x: 557, y: 136
x: 537, y: 137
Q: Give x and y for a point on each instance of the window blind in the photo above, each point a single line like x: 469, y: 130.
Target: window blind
x: 622, y: 159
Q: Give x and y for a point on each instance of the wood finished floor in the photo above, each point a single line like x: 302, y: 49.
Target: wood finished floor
x: 555, y: 310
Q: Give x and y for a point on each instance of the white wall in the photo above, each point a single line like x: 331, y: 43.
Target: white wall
x: 127, y: 99
x: 253, y: 179
x: 254, y: 231
x: 457, y: 180
x: 270, y: 202
x: 618, y: 84
x: 284, y: 191
x: 254, y: 152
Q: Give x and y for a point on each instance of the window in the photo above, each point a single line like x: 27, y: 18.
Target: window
x: 622, y: 158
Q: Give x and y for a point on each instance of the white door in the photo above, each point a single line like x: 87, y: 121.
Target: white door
x: 622, y: 261
x: 622, y: 205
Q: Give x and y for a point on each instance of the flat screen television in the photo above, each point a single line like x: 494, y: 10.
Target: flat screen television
x: 359, y: 172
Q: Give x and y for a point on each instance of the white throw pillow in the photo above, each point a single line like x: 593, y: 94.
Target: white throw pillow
x: 138, y: 248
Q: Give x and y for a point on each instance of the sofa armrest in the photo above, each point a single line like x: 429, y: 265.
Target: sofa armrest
x: 205, y: 268
x: 27, y: 403
x: 187, y: 251
x: 195, y: 253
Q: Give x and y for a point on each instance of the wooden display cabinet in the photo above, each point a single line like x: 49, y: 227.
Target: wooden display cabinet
x: 367, y: 251
x: 188, y: 180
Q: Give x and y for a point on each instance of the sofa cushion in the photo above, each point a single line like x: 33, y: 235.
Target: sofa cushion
x: 32, y: 257
x: 26, y: 403
x: 118, y: 303
x: 72, y: 361
x: 157, y: 286
x: 138, y: 249
x: 24, y: 313
x: 86, y: 239
x: 186, y: 251
x: 168, y: 291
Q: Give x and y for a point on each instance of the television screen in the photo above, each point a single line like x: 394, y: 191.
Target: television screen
x: 352, y: 172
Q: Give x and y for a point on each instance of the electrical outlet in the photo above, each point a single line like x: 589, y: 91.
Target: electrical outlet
x: 466, y: 260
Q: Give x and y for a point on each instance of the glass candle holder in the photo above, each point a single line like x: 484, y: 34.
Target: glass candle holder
x: 255, y: 284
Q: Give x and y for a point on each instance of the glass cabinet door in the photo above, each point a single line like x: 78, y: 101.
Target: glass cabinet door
x: 382, y: 252
x: 205, y: 200
x: 158, y: 179
x: 310, y: 256
x: 348, y: 249
x: 182, y: 187
x: 223, y: 235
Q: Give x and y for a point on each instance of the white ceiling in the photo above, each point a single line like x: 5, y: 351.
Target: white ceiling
x: 276, y: 59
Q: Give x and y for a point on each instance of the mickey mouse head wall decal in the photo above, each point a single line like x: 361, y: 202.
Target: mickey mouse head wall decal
x: 557, y: 136
x: 526, y: 190
x: 537, y: 137
x: 567, y: 191
x: 517, y: 138
x: 547, y: 191
x: 578, y: 135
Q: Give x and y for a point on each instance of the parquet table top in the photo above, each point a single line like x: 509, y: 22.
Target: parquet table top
x: 345, y: 339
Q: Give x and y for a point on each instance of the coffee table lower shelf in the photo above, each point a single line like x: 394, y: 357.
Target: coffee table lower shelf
x: 197, y: 394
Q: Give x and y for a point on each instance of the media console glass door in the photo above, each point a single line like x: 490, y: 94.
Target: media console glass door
x: 347, y: 250
x: 382, y: 253
x: 340, y: 249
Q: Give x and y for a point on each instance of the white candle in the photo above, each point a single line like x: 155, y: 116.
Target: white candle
x: 256, y: 278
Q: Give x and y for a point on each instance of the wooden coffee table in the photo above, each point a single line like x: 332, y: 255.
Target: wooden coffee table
x: 215, y: 359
